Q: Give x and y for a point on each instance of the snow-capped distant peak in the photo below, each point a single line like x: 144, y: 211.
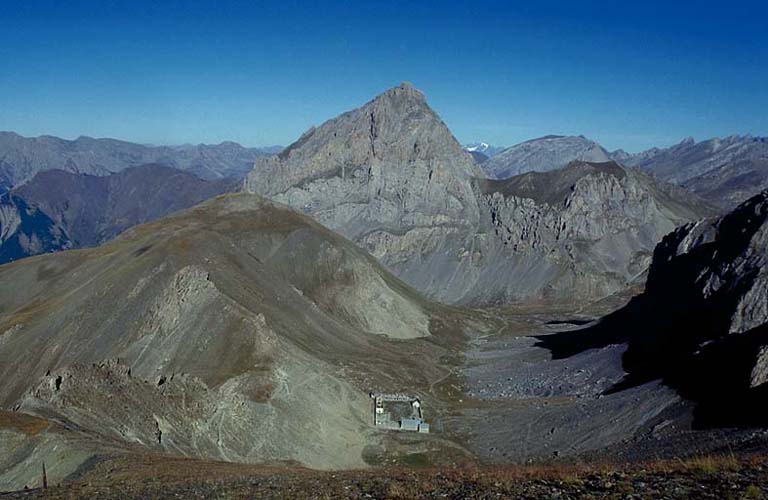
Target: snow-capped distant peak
x: 480, y: 147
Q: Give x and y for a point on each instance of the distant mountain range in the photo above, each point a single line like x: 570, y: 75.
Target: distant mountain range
x: 58, y: 210
x: 545, y: 153
x: 23, y: 157
x: 483, y: 148
x: 725, y: 171
x: 478, y: 157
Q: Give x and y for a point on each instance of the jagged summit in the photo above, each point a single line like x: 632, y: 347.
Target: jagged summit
x: 390, y: 165
x: 394, y: 129
x: 389, y: 175
x: 408, y: 89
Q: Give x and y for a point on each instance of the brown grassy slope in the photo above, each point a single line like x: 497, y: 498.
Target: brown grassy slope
x: 267, y: 328
x: 715, y: 477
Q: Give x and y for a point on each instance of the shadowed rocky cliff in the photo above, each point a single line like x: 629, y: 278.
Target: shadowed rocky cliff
x: 702, y: 323
x: 26, y: 230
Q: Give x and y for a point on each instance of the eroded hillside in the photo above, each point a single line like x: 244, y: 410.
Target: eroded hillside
x: 237, y: 330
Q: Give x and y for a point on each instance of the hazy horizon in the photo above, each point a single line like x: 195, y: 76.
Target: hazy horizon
x: 266, y: 146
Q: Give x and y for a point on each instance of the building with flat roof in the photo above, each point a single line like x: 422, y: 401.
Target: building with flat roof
x: 398, y: 412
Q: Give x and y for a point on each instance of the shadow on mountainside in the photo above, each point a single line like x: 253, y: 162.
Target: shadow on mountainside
x: 679, y: 334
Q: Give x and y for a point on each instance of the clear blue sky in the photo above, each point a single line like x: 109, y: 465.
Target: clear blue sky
x: 260, y: 73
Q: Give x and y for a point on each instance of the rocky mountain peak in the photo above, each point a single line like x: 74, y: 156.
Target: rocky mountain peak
x: 407, y: 90
x: 395, y: 128
x: 389, y: 175
x: 393, y: 140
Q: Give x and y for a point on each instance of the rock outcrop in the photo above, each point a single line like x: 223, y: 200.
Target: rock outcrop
x: 725, y: 260
x: 589, y: 227
x: 392, y: 178
x: 701, y: 324
x: 546, y: 153
x: 26, y: 230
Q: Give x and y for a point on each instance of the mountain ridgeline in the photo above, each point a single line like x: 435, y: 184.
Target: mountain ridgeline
x: 545, y: 153
x: 58, y: 210
x: 23, y: 157
x: 725, y: 171
x: 234, y: 318
x: 391, y: 177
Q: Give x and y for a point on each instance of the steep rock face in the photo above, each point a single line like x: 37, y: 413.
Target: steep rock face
x: 723, y: 257
x: 713, y: 276
x: 388, y: 175
x: 243, y: 331
x: 701, y: 324
x: 26, y: 230
x: 391, y: 177
x: 588, y: 226
x: 394, y: 150
x: 546, y: 153
x: 759, y: 375
x: 725, y: 171
x: 23, y: 157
